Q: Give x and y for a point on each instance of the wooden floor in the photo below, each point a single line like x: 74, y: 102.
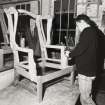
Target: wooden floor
x: 61, y: 93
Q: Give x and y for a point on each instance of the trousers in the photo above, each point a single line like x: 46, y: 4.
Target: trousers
x: 85, y: 88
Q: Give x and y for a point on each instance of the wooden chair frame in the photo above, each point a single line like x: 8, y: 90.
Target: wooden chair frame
x: 5, y: 47
x: 28, y: 68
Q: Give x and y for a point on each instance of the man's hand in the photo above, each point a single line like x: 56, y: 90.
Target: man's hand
x: 67, y: 53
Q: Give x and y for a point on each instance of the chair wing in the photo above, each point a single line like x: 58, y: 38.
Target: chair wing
x: 29, y: 64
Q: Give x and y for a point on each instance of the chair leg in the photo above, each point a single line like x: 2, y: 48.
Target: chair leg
x: 39, y: 89
x: 16, y: 78
x: 72, y: 78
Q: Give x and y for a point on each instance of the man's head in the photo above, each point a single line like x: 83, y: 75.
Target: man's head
x: 82, y: 21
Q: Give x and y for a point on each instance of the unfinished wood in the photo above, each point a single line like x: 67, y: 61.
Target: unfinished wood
x: 2, y: 2
x: 29, y: 70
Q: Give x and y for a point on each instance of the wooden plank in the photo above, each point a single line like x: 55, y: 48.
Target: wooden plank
x: 56, y: 74
x: 2, y: 2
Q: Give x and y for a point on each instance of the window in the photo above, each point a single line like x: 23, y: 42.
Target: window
x: 63, y: 23
x: 25, y: 6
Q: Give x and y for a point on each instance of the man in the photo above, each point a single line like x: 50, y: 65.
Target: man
x: 85, y: 54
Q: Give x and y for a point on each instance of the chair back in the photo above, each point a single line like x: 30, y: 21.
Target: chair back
x: 29, y: 64
x: 12, y: 16
x: 4, y: 27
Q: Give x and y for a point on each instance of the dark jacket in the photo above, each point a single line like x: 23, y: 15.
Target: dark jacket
x: 85, y: 52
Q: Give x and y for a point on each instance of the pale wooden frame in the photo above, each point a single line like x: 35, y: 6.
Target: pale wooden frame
x: 20, y: 66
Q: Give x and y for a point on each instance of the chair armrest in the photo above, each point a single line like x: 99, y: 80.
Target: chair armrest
x: 58, y: 47
x: 55, y: 46
x: 60, y: 53
x: 27, y: 50
x: 29, y: 60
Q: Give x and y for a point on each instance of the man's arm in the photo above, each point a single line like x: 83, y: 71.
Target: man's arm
x: 85, y: 39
